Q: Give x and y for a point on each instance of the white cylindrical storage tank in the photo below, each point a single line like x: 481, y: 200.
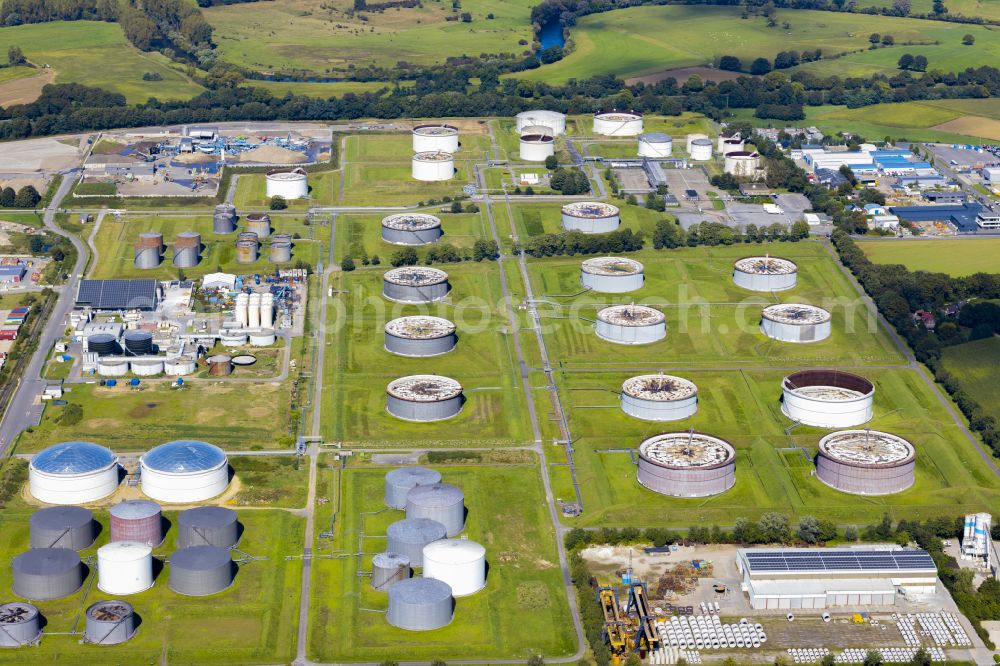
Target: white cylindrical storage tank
x: 435, y: 138
x: 536, y: 147
x: 659, y: 398
x: 288, y: 183
x: 262, y: 338
x: 415, y: 284
x: 109, y: 366
x: 124, y: 567
x: 691, y: 138
x: 459, y: 562
x: 618, y: 123
x: 241, y: 308
x: 590, y: 217
x: 420, y: 336
x: 70, y: 527
x: 179, y: 366
x: 552, y: 119
x: 408, y: 537
x: 424, y: 398
x: 656, y: 144
x: 420, y: 604
x: 389, y: 569
x: 631, y: 324
x: 232, y: 338
x: 433, y: 166
x: 611, y: 275
x: 411, y: 229
x: 184, y: 471
x: 727, y: 146
x: 20, y: 624
x: 440, y: 502
x: 827, y: 398
x: 253, y: 311
x: 267, y: 310
x: 147, y: 367
x: 399, y: 483
x: 866, y: 462
x: 73, y: 473
x: 765, y: 273
x: 701, y: 150
x: 795, y: 322
x: 686, y: 464
x: 742, y: 164
x: 110, y: 622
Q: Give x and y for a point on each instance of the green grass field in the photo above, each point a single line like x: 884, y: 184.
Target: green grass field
x: 954, y: 257
x: 252, y: 622
x: 647, y: 40
x: 13, y: 73
x: 97, y: 54
x: 523, y: 610
x: 975, y: 364
x: 365, y: 231
x: 320, y: 90
x: 985, y: 9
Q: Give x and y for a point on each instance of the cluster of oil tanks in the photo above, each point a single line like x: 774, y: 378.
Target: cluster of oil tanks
x: 434, y: 148
x: 149, y: 249
x: 53, y: 569
x: 450, y: 567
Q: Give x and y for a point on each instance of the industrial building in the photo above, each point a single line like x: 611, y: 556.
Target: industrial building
x: 795, y: 322
x: 977, y: 540
x: 790, y: 578
x: 631, y: 324
x: 460, y: 563
x: 611, y: 275
x: 110, y: 622
x: 765, y: 273
x: 866, y: 462
x: 70, y: 527
x: 659, y: 398
x: 124, y: 567
x: 184, y: 471
x: 963, y: 216
x: 73, y: 473
x: 411, y: 229
x: 424, y: 398
x: 290, y: 183
x: 435, y: 138
x: 590, y: 217
x: 536, y: 147
x: 415, y: 284
x: 618, y: 123
x: 408, y: 537
x: 116, y: 295
x: 420, y: 336
x: 827, y: 398
x: 440, y: 502
x: 399, y: 483
x: 554, y: 120
x: 420, y: 604
x: 433, y: 166
x: 686, y: 464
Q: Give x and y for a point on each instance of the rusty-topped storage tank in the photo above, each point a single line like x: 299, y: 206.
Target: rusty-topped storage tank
x: 148, y: 250
x: 137, y: 520
x: 258, y: 223
x: 247, y: 247
x: 187, y: 249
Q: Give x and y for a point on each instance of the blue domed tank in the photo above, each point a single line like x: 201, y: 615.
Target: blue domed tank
x: 72, y: 458
x: 184, y: 456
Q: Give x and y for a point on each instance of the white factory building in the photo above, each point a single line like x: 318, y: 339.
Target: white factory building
x: 787, y: 578
x: 820, y: 158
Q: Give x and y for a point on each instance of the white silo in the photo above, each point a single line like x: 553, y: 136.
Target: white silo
x: 290, y: 183
x: 730, y: 137
x: 701, y: 150
x: 242, y: 301
x: 124, y: 567
x: 459, y: 562
x: 433, y: 138
x: 253, y: 311
x: 691, y: 138
x: 433, y: 165
x: 266, y: 310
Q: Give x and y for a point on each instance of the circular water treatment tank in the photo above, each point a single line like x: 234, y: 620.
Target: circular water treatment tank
x: 73, y: 473
x: 459, y: 562
x: 288, y: 183
x: 408, y: 538
x: 112, y: 367
x: 701, y: 150
x: 659, y: 398
x: 656, y: 144
x: 262, y: 338
x: 795, y: 322
x: 618, y: 123
x: 103, y: 344
x: 554, y: 120
x: 420, y: 604
x: 220, y: 365
x: 147, y: 367
x: 415, y: 284
x: 389, y: 569
x: 184, y: 471
x: 611, y: 275
x: 207, y: 526
x: 110, y: 622
x: 179, y: 365
x: 536, y: 147
x: 440, y: 502
x: 765, y: 273
x: 435, y: 138
x: 866, y: 462
x: 686, y: 464
x: 138, y: 343
x: 200, y: 570
x: 124, y: 567
x: 827, y: 398
x: 137, y: 520
x: 420, y: 336
x: 590, y: 217
x: 424, y: 398
x: 70, y: 527
x: 631, y: 324
x: 433, y: 166
x: 244, y: 359
x: 20, y: 624
x: 399, y: 482
x: 411, y: 229
x: 47, y: 573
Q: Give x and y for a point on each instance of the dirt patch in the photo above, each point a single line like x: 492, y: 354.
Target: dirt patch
x: 26, y: 90
x: 682, y: 75
x: 987, y: 128
x: 208, y: 415
x: 37, y: 154
x: 39, y: 182
x: 273, y: 155
x: 195, y: 158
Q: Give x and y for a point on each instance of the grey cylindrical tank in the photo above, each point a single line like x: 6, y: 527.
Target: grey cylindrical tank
x: 223, y: 224
x: 137, y: 343
x: 187, y: 249
x: 408, y: 538
x: 280, y: 249
x: 420, y: 604
x: 411, y: 229
x: 389, y: 569
x: 62, y: 527
x: 420, y: 336
x: 109, y: 622
x: 200, y: 570
x: 424, y: 398
x: 148, y: 249
x: 103, y: 344
x: 20, y: 624
x: 258, y: 223
x: 47, y: 573
x: 399, y: 482
x: 415, y: 284
x: 137, y: 520
x: 247, y: 247
x: 207, y: 526
x: 440, y: 502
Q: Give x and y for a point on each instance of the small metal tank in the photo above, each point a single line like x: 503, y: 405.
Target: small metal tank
x: 109, y: 622
x: 224, y: 220
x: 280, y: 249
x: 247, y: 247
x: 20, y: 624
x: 408, y: 538
x: 220, y: 365
x: 441, y: 502
x: 200, y: 570
x: 207, y: 526
x: 258, y: 223
x: 187, y: 249
x: 148, y: 250
x: 138, y: 343
x: 137, y: 520
x: 389, y: 569
x: 399, y: 482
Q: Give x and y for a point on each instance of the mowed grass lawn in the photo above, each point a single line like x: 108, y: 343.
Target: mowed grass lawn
x: 975, y: 364
x: 954, y: 257
x: 356, y: 232
x: 522, y: 611
x: 358, y: 367
x: 252, y: 622
x: 322, y: 37
x: 97, y: 54
x: 19, y: 72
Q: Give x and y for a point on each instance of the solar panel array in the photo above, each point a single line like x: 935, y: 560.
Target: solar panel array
x: 117, y: 294
x: 834, y: 561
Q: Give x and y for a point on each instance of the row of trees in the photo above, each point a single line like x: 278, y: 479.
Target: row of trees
x: 439, y: 253
x: 669, y: 234
x: 26, y: 197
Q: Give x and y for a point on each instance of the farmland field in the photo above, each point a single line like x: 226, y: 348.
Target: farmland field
x: 954, y: 257
x: 975, y: 364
